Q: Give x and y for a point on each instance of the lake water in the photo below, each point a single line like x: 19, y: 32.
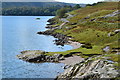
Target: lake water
x: 19, y: 34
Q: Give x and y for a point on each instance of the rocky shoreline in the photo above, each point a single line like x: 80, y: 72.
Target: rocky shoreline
x: 37, y: 56
x: 90, y: 69
x: 61, y: 39
x: 86, y: 69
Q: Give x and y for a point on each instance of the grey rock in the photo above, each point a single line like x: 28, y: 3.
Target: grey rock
x: 67, y: 66
x: 106, y: 49
x: 112, y: 14
x: 57, y: 55
x: 92, y: 19
x: 117, y: 31
x: 109, y: 34
x: 118, y: 53
x: 89, y: 69
x: 62, y: 58
x: 38, y: 56
x: 87, y: 17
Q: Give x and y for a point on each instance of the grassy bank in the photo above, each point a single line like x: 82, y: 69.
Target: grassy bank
x: 93, y: 26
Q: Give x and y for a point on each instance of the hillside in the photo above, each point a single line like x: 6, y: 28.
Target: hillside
x: 94, y: 25
x: 28, y: 1
x: 33, y: 8
x: 33, y: 4
x: 97, y: 28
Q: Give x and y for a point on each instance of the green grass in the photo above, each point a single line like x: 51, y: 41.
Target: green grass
x: 113, y: 57
x: 92, y: 36
x: 80, y: 51
x: 92, y: 32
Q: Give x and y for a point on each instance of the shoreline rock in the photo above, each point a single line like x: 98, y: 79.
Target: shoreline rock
x: 86, y: 69
x: 61, y: 39
x: 90, y: 69
x: 39, y: 56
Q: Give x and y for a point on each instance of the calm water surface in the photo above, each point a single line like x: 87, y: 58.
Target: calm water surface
x: 19, y: 34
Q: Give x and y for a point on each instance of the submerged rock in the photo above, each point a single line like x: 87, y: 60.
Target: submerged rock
x: 38, y: 18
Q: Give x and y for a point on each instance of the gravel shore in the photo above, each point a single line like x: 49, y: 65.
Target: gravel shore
x: 75, y: 45
x: 72, y: 60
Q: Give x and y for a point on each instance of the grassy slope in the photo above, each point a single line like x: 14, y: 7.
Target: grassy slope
x: 93, y: 32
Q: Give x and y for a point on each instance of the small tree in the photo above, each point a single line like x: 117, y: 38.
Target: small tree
x: 67, y: 6
x: 61, y: 12
x: 77, y: 6
x: 89, y: 5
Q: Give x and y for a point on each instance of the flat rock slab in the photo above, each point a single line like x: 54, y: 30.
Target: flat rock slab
x: 72, y: 60
x: 29, y: 54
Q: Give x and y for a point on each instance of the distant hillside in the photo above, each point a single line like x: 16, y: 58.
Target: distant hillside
x: 34, y: 4
x: 28, y: 1
x: 112, y: 0
x: 33, y: 8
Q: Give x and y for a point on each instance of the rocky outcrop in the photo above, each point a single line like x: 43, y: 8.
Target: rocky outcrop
x: 61, y: 39
x: 112, y: 14
x: 90, y: 69
x: 113, y: 32
x: 51, y: 21
x: 106, y: 49
x: 64, y: 20
x: 39, y: 56
x: 117, y: 31
x: 68, y: 17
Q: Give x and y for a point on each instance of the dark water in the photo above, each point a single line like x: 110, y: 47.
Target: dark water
x: 19, y: 34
